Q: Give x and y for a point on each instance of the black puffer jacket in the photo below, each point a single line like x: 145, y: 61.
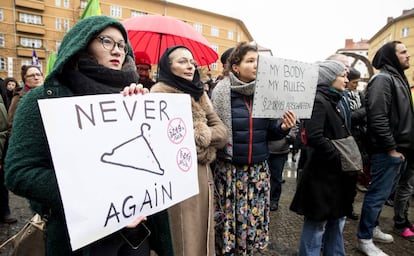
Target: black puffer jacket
x: 390, y: 113
x: 250, y: 135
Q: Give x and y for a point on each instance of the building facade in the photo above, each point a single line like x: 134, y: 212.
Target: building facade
x: 401, y: 29
x: 41, y: 24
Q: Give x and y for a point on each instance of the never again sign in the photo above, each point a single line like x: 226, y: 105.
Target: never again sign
x: 283, y: 85
x: 117, y: 158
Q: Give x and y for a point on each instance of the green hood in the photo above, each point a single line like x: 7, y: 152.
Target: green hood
x: 78, y: 38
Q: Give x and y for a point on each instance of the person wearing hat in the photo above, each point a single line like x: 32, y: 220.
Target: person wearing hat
x: 95, y: 57
x: 321, y: 193
x: 143, y: 64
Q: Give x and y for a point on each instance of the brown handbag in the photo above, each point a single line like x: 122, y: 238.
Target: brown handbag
x: 30, y: 240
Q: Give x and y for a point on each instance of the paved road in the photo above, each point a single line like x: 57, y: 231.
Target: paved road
x: 285, y: 225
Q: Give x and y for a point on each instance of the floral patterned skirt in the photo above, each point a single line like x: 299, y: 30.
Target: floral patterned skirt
x: 241, y: 208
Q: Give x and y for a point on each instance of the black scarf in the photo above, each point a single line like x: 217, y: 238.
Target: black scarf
x: 194, y: 88
x: 91, y: 78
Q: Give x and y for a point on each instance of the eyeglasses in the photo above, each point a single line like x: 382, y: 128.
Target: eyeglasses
x: 109, y: 44
x: 34, y: 75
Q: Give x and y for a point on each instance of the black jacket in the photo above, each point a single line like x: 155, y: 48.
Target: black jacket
x: 390, y: 116
x: 250, y: 135
x: 323, y: 189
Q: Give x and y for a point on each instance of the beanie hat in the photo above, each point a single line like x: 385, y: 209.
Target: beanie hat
x: 353, y: 74
x: 329, y: 70
x: 79, y: 36
x: 226, y: 55
x: 142, y: 58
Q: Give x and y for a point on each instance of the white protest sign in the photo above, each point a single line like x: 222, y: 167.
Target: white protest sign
x: 283, y: 85
x: 117, y: 158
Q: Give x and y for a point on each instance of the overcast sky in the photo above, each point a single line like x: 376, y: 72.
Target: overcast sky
x: 306, y: 30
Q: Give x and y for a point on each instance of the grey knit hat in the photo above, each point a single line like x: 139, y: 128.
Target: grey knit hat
x: 329, y: 70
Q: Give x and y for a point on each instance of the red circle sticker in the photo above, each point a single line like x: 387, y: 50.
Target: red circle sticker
x: 176, y: 130
x: 184, y: 159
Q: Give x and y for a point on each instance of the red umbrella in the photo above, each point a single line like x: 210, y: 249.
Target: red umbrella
x: 154, y: 33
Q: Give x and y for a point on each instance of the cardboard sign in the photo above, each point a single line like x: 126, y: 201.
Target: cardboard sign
x: 117, y: 158
x: 283, y: 85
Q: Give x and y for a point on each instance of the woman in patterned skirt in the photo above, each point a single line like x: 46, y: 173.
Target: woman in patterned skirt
x: 241, y: 172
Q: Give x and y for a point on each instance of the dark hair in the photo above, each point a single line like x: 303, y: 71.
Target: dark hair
x: 353, y: 74
x: 236, y: 56
x: 25, y: 68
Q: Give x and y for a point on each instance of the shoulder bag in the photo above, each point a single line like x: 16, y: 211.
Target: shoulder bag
x: 349, y: 153
x: 30, y: 240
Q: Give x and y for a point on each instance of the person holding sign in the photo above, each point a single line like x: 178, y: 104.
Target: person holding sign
x: 192, y: 220
x: 242, y: 175
x: 321, y: 195
x: 95, y: 57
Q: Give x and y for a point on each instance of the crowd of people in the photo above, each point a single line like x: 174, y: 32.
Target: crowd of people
x: 240, y: 158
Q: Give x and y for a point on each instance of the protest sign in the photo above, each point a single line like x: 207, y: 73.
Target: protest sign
x: 283, y: 85
x: 117, y: 158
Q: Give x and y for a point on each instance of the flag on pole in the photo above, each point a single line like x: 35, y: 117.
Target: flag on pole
x: 92, y: 8
x: 35, y: 60
x: 50, y: 62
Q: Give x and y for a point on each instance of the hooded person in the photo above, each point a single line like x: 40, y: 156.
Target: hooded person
x: 192, y: 221
x: 390, y: 135
x: 95, y: 57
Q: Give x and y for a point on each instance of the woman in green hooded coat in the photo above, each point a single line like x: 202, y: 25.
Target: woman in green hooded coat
x: 95, y: 57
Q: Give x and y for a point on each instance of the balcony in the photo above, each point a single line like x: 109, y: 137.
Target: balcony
x: 27, y: 52
x: 30, y: 28
x: 31, y: 4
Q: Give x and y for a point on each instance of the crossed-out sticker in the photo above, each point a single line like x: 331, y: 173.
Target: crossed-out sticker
x: 177, y: 131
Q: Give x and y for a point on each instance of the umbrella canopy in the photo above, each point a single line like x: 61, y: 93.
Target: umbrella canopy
x: 154, y: 33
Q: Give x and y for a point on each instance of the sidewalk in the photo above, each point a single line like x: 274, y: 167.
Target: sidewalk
x: 285, y: 226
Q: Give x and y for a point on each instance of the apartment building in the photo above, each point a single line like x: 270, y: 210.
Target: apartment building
x: 41, y: 24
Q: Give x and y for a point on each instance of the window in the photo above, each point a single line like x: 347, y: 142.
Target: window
x: 137, y: 14
x: 198, y: 27
x: 29, y: 62
x: 30, y: 42
x: 214, y: 47
x: 215, y: 31
x: 230, y: 35
x: 57, y: 3
x: 66, y: 3
x: 405, y: 32
x: 2, y: 44
x: 2, y: 63
x: 30, y: 18
x: 83, y: 4
x: 58, y: 24
x: 1, y: 14
x: 66, y: 25
x: 116, y: 11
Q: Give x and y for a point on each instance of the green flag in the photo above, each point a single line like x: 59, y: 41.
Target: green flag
x: 50, y: 62
x: 92, y: 8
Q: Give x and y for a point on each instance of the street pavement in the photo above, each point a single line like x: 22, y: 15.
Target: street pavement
x: 285, y: 226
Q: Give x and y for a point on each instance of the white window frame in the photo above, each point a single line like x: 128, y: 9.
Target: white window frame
x: 29, y: 18
x: 198, y: 27
x: 115, y: 11
x: 215, y: 31
x: 28, y: 42
x: 2, y: 40
x: 3, y: 62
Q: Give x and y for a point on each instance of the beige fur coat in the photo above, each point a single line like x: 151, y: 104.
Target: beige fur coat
x: 192, y: 222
